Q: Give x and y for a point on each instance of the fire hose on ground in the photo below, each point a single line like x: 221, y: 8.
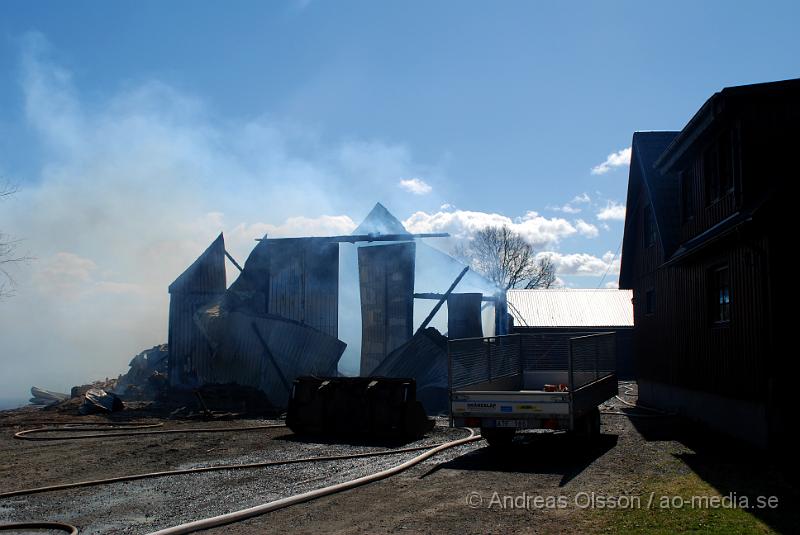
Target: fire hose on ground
x: 27, y: 434
x: 432, y: 449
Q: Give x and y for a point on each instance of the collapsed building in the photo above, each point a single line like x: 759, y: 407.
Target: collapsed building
x: 280, y: 318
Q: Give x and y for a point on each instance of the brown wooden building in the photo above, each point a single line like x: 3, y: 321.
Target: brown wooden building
x: 707, y: 254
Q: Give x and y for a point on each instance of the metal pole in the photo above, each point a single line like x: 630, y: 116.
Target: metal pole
x: 367, y: 237
x: 488, y: 357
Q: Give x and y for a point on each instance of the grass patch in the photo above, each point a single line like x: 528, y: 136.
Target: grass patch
x: 665, y: 518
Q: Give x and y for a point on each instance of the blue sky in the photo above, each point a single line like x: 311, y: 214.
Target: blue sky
x: 139, y: 130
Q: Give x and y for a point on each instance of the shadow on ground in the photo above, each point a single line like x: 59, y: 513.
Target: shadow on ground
x: 734, y: 468
x: 540, y: 453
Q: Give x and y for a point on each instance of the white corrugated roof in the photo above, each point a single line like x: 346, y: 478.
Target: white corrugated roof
x: 571, y: 308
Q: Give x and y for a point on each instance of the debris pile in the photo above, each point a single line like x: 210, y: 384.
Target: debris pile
x: 97, y: 400
x: 147, y: 377
x: 44, y: 397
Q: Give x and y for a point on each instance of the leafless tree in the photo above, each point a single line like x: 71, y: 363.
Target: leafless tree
x: 9, y: 249
x: 504, y: 257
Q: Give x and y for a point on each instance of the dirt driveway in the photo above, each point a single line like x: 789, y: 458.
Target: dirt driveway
x: 542, y: 484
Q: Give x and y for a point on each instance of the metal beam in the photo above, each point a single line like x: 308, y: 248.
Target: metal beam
x: 438, y: 296
x: 234, y: 262
x: 366, y: 237
x: 442, y: 300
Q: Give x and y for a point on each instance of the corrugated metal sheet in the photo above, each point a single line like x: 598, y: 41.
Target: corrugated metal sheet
x: 386, y: 276
x: 201, y: 283
x: 249, y: 290
x: 296, y: 278
x: 571, y: 308
x: 423, y: 358
x: 304, y: 282
x: 206, y: 274
x: 292, y: 349
x: 464, y: 315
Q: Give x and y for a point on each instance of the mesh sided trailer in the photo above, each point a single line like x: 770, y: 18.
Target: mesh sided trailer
x: 505, y: 383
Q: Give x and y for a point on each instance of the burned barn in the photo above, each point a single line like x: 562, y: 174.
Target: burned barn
x: 280, y: 319
x: 705, y: 253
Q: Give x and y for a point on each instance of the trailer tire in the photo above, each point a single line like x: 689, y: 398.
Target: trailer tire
x: 588, y: 425
x: 498, y: 438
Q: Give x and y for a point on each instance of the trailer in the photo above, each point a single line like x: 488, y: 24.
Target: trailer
x: 507, y: 383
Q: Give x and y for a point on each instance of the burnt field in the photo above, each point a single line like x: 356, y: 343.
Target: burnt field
x: 542, y: 484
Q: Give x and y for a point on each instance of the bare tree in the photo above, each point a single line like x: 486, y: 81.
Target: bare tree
x: 504, y: 257
x: 9, y: 249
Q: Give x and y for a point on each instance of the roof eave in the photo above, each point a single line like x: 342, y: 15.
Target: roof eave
x: 696, y: 126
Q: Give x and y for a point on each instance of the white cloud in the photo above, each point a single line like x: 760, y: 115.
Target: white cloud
x: 584, y: 264
x: 613, y: 211
x: 567, y: 209
x: 415, y: 186
x: 583, y: 198
x: 612, y: 285
x: 586, y: 229
x: 570, y: 208
x: 461, y: 224
x: 615, y: 159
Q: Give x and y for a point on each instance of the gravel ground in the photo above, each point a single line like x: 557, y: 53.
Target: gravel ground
x: 147, y: 505
x: 429, y: 498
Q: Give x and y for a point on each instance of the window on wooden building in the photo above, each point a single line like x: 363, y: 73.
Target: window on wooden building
x: 718, y: 168
x: 687, y: 196
x: 721, y: 296
x: 650, y: 301
x: 725, y: 156
x: 649, y: 227
x: 711, y: 173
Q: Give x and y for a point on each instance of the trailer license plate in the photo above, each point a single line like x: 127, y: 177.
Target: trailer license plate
x: 519, y: 424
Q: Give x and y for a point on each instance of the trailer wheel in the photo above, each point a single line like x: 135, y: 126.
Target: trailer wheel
x: 588, y: 425
x: 498, y: 438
